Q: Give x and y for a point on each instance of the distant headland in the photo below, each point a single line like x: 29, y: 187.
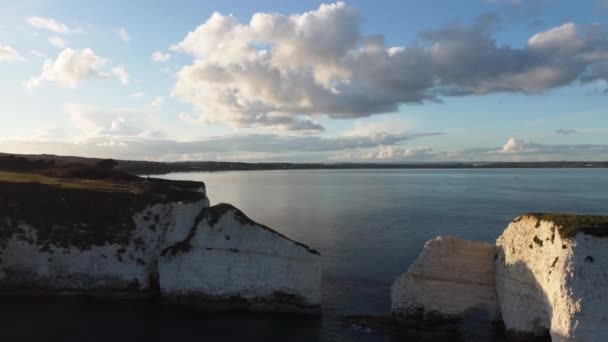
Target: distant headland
x: 141, y: 167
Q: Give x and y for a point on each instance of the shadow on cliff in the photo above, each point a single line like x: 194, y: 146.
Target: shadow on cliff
x: 531, y: 301
x: 474, y: 325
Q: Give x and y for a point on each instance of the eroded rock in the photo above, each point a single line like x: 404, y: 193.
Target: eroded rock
x: 227, y: 260
x: 450, y: 278
x: 552, y: 275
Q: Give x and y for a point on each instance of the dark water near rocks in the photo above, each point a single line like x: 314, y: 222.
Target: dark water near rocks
x: 369, y: 226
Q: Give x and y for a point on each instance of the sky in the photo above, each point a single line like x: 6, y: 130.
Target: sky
x: 306, y: 81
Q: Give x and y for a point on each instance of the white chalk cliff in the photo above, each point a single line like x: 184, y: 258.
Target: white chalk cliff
x: 104, y: 243
x: 550, y: 279
x: 550, y: 275
x: 451, y: 276
x: 227, y: 259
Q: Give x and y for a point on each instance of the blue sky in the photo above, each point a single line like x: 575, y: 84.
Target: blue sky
x: 306, y: 81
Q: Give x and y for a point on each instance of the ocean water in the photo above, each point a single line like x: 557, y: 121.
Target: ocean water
x: 369, y: 225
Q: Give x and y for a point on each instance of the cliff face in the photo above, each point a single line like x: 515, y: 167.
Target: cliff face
x: 451, y: 277
x: 559, y: 275
x: 228, y: 260
x: 140, y: 237
x: 548, y: 272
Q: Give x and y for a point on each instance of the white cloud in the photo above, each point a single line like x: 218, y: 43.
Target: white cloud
x: 58, y: 42
x: 38, y: 53
x: 93, y: 121
x: 122, y: 33
x: 120, y: 73
x: 392, y: 153
x: 276, y: 70
x: 137, y: 95
x: 9, y: 54
x: 51, y: 25
x: 73, y: 66
x: 514, y: 145
x: 160, y: 56
x: 158, y: 101
x: 70, y: 67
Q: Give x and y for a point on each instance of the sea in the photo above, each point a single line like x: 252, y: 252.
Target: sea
x: 369, y: 226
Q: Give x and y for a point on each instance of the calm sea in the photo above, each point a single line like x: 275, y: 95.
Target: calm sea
x: 369, y: 225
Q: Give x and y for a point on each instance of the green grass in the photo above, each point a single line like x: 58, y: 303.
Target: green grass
x: 102, y: 185
x: 570, y: 224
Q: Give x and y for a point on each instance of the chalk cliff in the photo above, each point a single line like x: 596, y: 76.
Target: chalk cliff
x: 451, y: 277
x: 549, y: 275
x: 140, y: 237
x: 552, y: 274
x: 226, y: 259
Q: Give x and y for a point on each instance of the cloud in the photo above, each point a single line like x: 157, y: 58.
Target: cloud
x: 120, y: 73
x: 125, y: 133
x: 73, y: 66
x: 514, y: 145
x: 51, y: 25
x: 277, y: 70
x: 565, y: 131
x: 38, y: 53
x: 398, y: 153
x: 517, y: 149
x: 58, y: 42
x: 92, y: 121
x: 158, y: 101
x: 137, y: 95
x: 160, y: 56
x: 116, y: 134
x: 9, y: 54
x: 122, y: 33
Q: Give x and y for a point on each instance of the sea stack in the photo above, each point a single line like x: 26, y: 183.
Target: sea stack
x: 101, y: 233
x: 550, y: 277
x: 450, y: 278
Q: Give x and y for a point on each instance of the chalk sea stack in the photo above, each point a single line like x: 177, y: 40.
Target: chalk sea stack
x: 550, y: 278
x: 87, y: 230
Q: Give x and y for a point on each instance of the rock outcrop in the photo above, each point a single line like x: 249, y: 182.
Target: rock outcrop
x: 550, y: 275
x: 137, y: 237
x: 450, y: 278
x: 227, y: 260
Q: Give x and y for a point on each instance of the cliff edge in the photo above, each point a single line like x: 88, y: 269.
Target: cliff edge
x: 89, y: 231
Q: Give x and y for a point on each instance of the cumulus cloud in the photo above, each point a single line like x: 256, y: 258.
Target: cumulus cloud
x: 121, y: 74
x: 514, y: 145
x: 52, y: 25
x: 277, y: 68
x: 73, y: 66
x: 122, y: 33
x: 9, y: 54
x: 160, y: 56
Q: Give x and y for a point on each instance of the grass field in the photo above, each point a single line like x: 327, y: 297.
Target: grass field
x: 102, y: 185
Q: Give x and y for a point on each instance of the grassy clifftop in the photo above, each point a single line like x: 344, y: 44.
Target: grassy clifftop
x: 80, y: 205
x: 570, y: 224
